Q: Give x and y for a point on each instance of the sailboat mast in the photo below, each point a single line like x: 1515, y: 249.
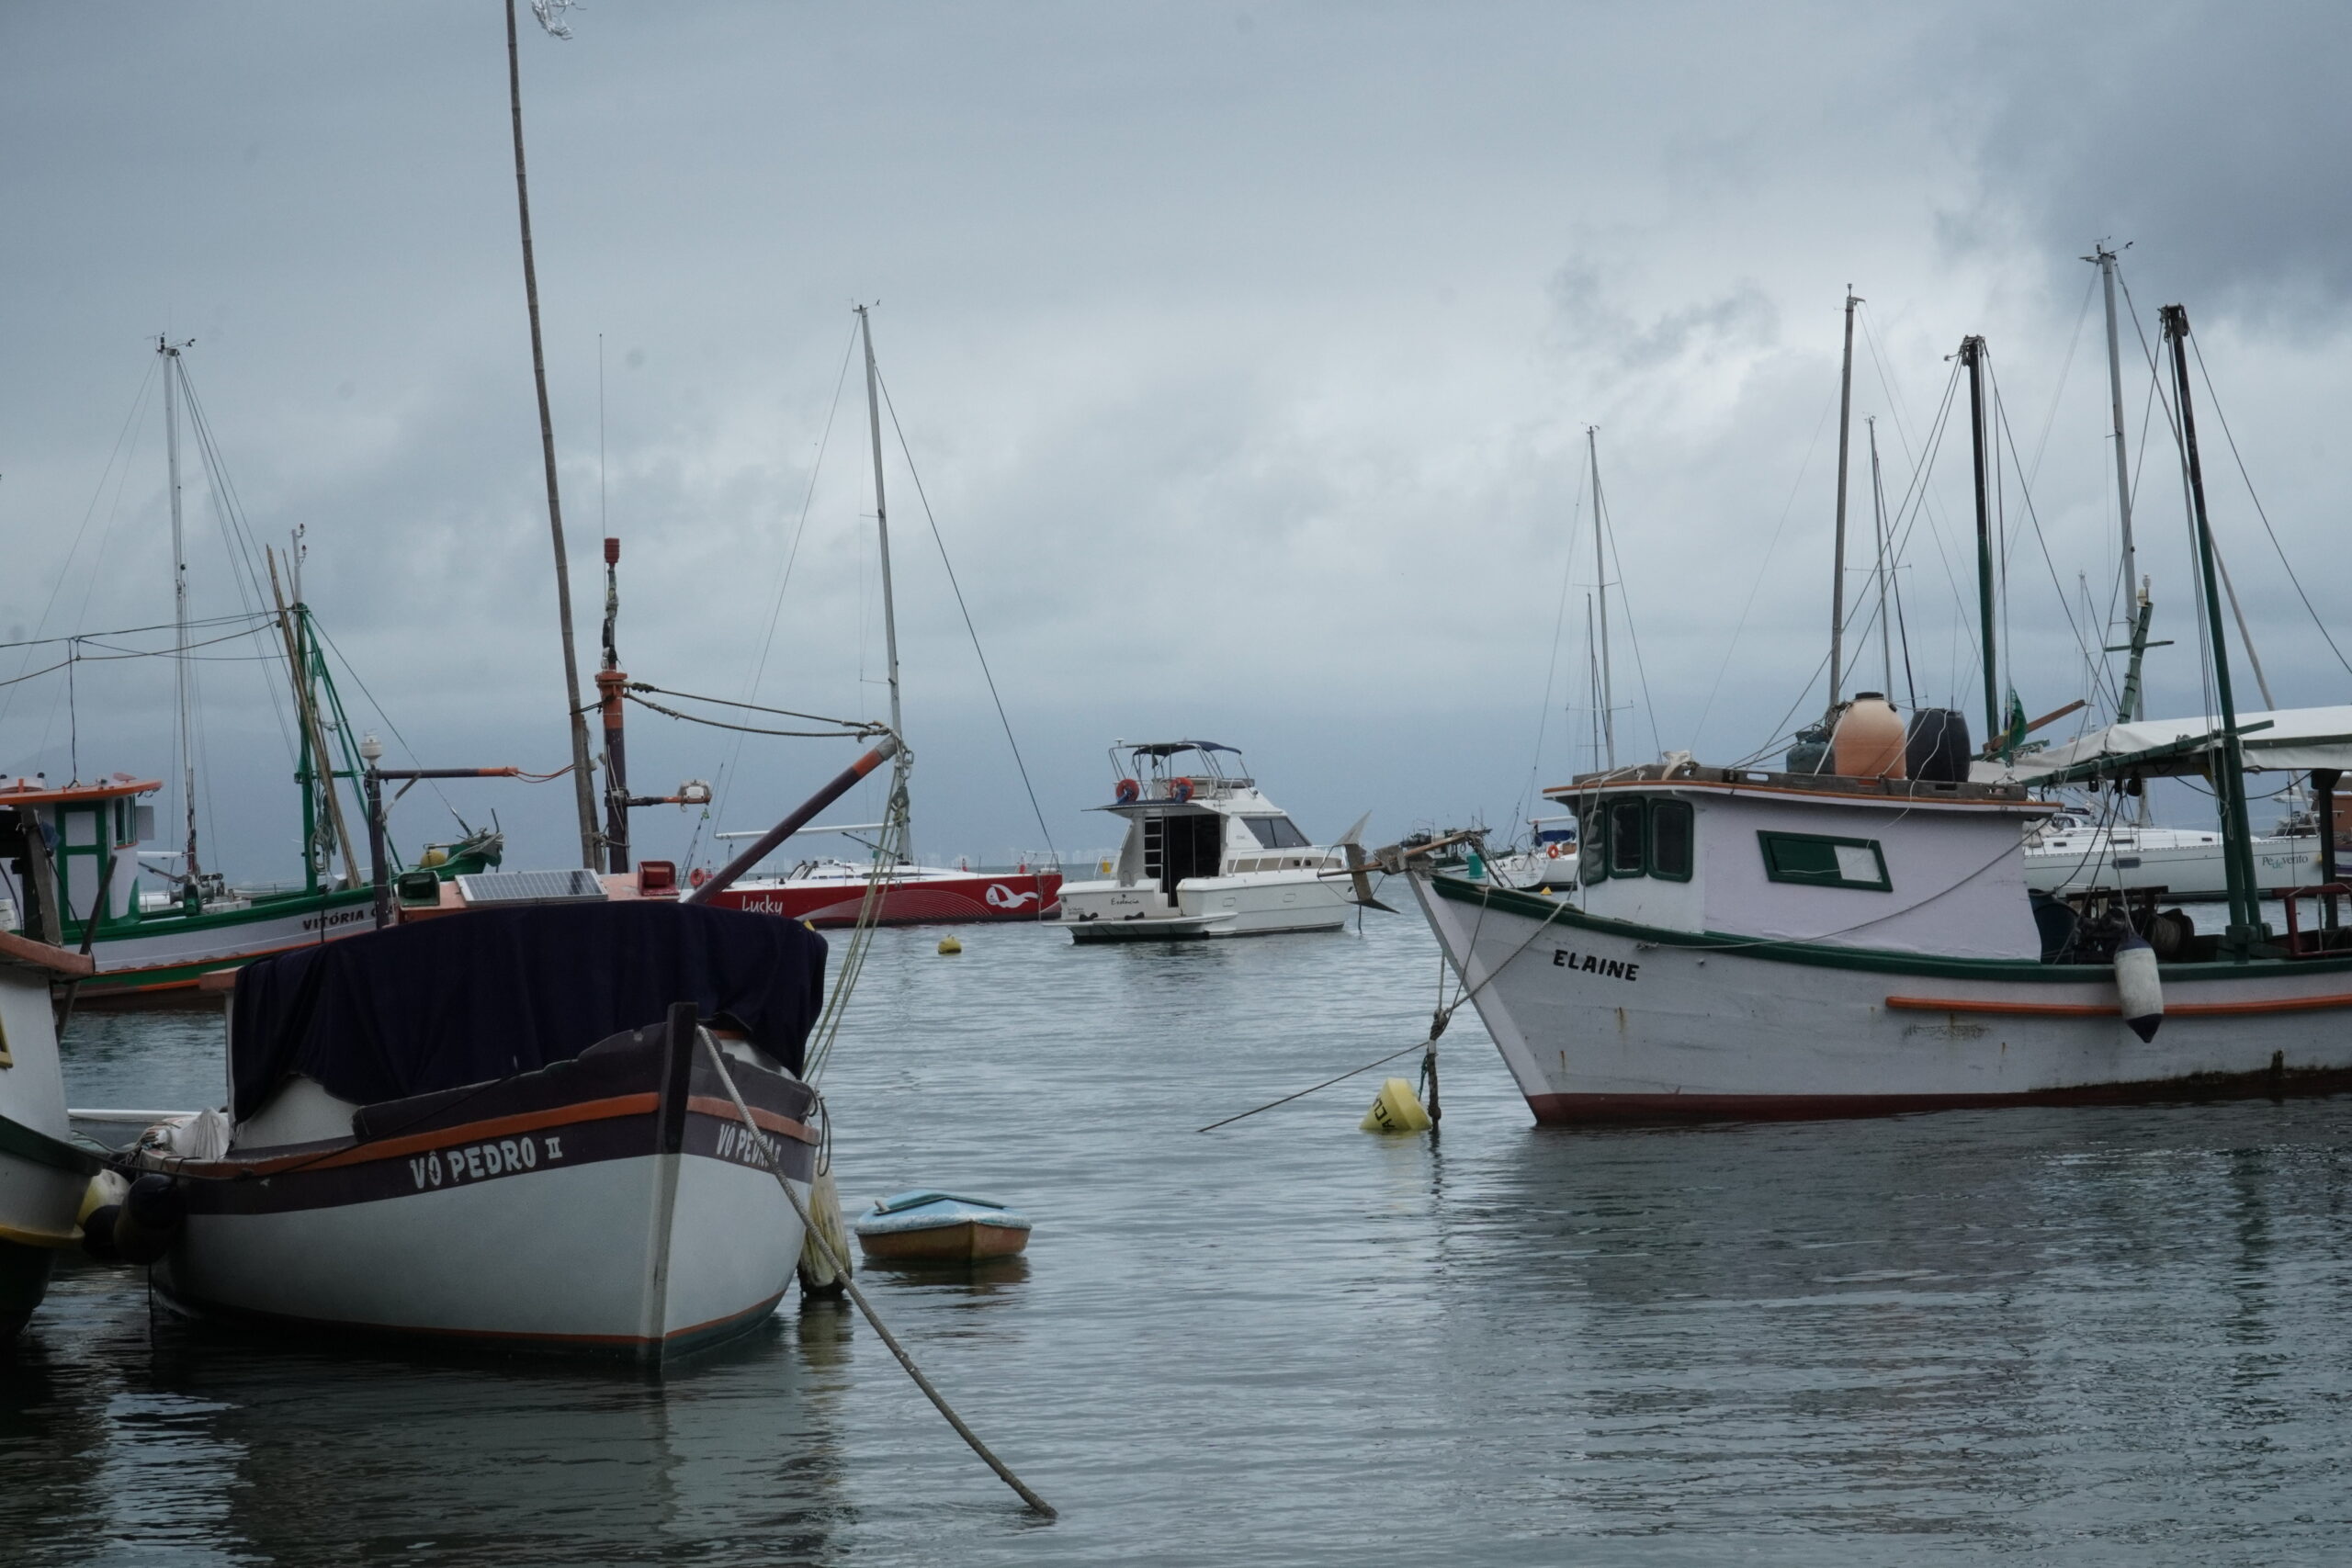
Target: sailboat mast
x: 881, y: 516
x: 171, y: 353
x: 1885, y: 568
x: 1971, y: 355
x: 2106, y: 260
x: 2229, y: 767
x: 1601, y: 590
x: 1837, y: 580
x: 584, y: 792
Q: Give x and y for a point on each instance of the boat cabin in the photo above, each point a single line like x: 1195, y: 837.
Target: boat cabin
x: 70, y: 850
x: 1911, y: 865
x: 1188, y: 816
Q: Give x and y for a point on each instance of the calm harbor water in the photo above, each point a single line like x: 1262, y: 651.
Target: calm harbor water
x: 2113, y: 1335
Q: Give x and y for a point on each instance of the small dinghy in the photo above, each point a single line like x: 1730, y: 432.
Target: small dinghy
x: 940, y: 1227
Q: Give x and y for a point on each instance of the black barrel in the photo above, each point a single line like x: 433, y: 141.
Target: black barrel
x: 1936, y: 749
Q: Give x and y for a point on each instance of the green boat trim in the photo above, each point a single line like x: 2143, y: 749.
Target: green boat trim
x: 1553, y: 911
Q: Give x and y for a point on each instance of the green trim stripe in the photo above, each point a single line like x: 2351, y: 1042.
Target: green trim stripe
x: 25, y: 1143
x: 1824, y: 955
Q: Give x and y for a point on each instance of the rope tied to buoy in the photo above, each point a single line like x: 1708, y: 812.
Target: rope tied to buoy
x: 840, y: 1264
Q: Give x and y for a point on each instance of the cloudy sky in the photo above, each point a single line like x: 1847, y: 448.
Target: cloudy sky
x: 1245, y: 354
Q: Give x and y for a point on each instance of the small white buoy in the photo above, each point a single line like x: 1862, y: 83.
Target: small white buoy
x: 2140, y: 986
x: 949, y: 944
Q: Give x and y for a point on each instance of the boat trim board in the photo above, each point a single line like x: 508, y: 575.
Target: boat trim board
x: 1792, y: 950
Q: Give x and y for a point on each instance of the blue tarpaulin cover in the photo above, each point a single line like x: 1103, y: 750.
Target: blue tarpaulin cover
x: 463, y: 998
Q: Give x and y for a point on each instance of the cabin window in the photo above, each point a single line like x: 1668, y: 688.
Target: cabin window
x: 1627, y: 834
x: 1825, y: 862
x: 1592, y: 838
x: 1670, y: 839
x: 1275, y: 832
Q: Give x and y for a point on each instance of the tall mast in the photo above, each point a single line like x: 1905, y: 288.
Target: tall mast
x: 2106, y: 258
x: 190, y: 892
x: 901, y: 761
x: 1837, y: 582
x: 584, y: 792
x: 2229, y: 765
x: 1601, y: 589
x: 1971, y: 355
x: 1885, y: 568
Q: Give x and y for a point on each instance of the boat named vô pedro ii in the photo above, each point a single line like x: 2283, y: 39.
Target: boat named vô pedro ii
x: 515, y: 1128
x: 1855, y: 935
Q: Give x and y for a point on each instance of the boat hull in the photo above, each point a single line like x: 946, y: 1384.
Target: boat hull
x: 2187, y: 872
x: 1605, y: 1021
x: 1252, y: 903
x: 1025, y: 895
x: 164, y: 959
x: 639, y: 1221
x: 961, y: 1241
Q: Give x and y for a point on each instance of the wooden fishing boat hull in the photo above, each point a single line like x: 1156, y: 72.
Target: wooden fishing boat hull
x: 960, y: 1241
x: 615, y: 1205
x: 1605, y: 1021
x: 944, y: 900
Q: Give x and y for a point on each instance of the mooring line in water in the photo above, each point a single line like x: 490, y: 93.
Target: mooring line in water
x: 841, y: 1266
x: 1326, y: 1083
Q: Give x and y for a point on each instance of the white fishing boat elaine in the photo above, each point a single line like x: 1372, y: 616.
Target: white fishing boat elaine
x: 1861, y: 938
x: 511, y: 1127
x: 1205, y: 855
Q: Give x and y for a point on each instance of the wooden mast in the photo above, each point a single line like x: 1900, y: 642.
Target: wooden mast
x: 1838, y: 570
x: 584, y: 792
x: 1971, y: 355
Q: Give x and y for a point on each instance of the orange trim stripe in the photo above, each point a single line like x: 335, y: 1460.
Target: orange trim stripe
x: 725, y: 1110
x: 441, y: 1138
x: 2093, y: 1010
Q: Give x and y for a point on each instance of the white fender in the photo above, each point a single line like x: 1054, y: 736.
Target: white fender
x: 2139, y: 986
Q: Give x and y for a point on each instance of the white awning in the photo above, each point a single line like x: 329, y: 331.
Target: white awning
x: 2294, y: 739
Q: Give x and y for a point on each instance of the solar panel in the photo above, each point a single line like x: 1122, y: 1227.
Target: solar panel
x: 575, y: 885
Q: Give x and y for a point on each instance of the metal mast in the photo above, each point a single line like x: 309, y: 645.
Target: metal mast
x: 584, y: 792
x: 1601, y: 589
x: 1971, y: 355
x: 2105, y: 259
x: 1885, y: 566
x: 2229, y: 765
x: 1837, y: 580
x: 889, y: 609
x: 190, y: 893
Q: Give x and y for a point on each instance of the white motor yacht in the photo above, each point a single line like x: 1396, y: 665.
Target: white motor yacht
x: 1205, y: 855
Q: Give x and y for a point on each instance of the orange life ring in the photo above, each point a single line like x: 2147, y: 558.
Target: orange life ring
x: 1127, y: 793
x: 698, y: 876
x: 1181, y: 790
x: 1552, y: 850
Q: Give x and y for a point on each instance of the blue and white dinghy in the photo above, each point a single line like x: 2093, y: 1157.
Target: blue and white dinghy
x: 940, y: 1227
x: 512, y: 1127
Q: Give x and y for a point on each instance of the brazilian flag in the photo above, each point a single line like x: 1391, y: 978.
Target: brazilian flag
x: 2012, y: 729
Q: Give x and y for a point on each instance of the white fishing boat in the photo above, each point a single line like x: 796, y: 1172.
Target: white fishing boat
x: 514, y: 1127
x: 42, y: 1173
x: 1858, y: 938
x: 1205, y: 855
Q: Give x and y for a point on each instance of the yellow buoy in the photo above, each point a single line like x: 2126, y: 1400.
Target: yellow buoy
x: 435, y: 855
x: 949, y: 944
x: 1397, y: 1110
x: 107, y: 1186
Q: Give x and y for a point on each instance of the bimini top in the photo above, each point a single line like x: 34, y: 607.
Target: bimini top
x: 440, y: 1004
x: 1170, y: 748
x: 2297, y: 739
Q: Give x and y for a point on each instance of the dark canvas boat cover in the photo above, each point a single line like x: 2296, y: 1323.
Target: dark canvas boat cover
x: 469, y: 998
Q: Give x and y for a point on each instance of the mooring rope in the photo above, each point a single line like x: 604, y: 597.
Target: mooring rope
x: 841, y: 1266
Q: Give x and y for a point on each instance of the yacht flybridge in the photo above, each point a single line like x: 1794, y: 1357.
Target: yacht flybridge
x: 1205, y: 855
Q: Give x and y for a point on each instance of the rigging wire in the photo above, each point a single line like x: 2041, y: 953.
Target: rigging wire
x: 1527, y: 795
x: 966, y: 610
x: 775, y: 613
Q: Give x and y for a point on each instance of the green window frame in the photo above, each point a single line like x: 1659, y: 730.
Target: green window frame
x: 1673, y: 840
x: 1621, y: 838
x: 1814, y: 859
